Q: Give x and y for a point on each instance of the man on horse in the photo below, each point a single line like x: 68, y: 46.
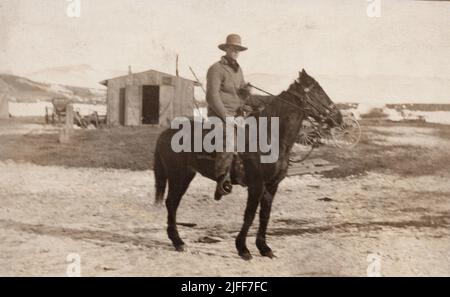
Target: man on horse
x: 226, y: 91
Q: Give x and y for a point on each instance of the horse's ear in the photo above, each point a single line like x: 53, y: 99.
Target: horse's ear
x: 302, y: 73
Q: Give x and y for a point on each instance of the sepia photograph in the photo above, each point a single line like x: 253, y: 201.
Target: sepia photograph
x: 252, y: 138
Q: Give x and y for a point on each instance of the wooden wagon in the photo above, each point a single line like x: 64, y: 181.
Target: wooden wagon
x: 57, y: 113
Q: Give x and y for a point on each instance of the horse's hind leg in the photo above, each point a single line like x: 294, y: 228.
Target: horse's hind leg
x: 178, y: 185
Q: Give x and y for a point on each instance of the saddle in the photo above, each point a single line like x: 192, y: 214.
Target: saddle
x: 237, y: 170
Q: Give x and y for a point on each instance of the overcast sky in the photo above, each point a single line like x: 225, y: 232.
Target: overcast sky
x: 333, y: 38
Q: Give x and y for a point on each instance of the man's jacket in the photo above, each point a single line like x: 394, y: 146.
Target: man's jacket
x: 222, y: 89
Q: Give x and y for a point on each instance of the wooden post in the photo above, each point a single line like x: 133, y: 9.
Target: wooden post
x: 67, y: 129
x: 176, y: 68
x: 4, y: 107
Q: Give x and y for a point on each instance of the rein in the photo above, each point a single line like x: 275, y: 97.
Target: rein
x: 282, y: 99
x: 329, y: 110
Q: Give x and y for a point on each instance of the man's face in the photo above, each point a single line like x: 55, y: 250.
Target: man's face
x: 233, y: 52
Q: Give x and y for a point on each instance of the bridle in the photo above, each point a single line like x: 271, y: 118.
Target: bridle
x: 324, y: 111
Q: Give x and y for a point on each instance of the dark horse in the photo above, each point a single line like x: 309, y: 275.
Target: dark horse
x: 304, y: 97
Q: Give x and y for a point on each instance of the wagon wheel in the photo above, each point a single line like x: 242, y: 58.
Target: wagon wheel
x: 348, y: 134
x: 300, y: 153
x: 307, y: 141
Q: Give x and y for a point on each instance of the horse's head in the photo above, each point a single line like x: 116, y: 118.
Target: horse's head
x: 316, y: 102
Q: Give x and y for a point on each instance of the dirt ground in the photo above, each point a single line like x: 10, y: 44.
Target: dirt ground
x: 388, y: 199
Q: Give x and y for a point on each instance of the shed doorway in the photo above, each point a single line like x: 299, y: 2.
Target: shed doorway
x: 150, y: 105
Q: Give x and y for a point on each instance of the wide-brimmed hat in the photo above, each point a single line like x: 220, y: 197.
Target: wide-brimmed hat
x: 234, y: 40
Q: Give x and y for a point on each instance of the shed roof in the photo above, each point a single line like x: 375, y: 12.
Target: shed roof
x: 105, y: 82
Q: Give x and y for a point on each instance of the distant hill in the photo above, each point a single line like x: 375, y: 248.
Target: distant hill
x: 21, y: 89
x: 82, y: 75
x: 420, y: 107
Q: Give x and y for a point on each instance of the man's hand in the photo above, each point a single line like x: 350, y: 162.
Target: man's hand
x: 239, y: 122
x: 245, y: 92
x: 245, y: 110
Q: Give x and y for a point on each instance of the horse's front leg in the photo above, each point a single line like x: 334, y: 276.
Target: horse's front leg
x: 264, y: 216
x: 255, y: 191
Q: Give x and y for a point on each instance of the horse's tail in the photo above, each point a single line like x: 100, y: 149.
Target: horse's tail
x: 160, y: 177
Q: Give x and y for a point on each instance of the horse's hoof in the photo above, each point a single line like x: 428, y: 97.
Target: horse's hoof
x: 217, y: 196
x: 180, y: 248
x: 246, y: 255
x: 158, y: 204
x: 268, y: 254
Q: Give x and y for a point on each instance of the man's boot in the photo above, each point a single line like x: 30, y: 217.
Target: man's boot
x: 223, y: 187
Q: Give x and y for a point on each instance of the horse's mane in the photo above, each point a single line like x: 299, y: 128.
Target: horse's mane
x: 290, y: 118
x: 276, y: 106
